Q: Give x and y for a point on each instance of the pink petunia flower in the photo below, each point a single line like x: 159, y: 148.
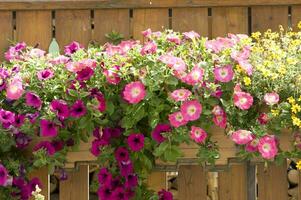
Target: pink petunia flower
x: 33, y: 100
x: 45, y: 74
x: 195, y: 76
x: 243, y: 100
x: 267, y: 146
x: 136, y: 141
x: 223, y: 74
x: 147, y: 33
x: 3, y: 175
x: 149, y: 48
x: 191, y: 35
x: 263, y: 119
x: 252, y: 146
x: 218, y: 110
x: 242, y: 136
x: 198, y: 134
x: 78, y: 109
x: 220, y: 120
x: 14, y: 89
x: 219, y: 44
x: 60, y: 107
x: 112, y: 75
x: 271, y: 98
x: 72, y: 48
x: 134, y: 92
x: 180, y: 95
x: 173, y: 62
x: 173, y: 38
x: 177, y: 119
x: 48, y: 128
x: 158, y: 130
x: 191, y: 110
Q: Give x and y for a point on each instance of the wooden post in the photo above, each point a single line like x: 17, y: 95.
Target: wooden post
x: 44, y: 177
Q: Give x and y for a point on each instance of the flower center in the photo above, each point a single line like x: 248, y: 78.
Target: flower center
x: 179, y: 117
x: 135, y: 92
x: 266, y: 147
x: 191, y: 110
x: 243, y: 100
x: 223, y: 73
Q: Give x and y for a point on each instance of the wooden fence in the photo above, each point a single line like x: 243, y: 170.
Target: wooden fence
x: 39, y: 21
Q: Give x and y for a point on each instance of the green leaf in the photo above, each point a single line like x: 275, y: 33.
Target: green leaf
x: 161, y: 148
x: 110, y: 107
x: 171, y: 81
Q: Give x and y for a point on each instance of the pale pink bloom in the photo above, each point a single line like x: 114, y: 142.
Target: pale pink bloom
x: 243, y: 100
x: 219, y: 44
x: 267, y: 146
x: 36, y: 53
x: 237, y: 88
x: 237, y: 37
x: 218, y: 110
x: 149, y: 48
x: 180, y: 95
x: 80, y: 65
x: 14, y: 89
x: 111, y: 49
x: 246, y: 66
x: 223, y: 74
x: 61, y: 59
x: 198, y: 134
x: 271, y: 98
x: 252, y: 146
x: 191, y: 35
x: 173, y: 62
x: 134, y: 92
x: 242, y: 136
x: 176, y: 119
x: 157, y: 34
x: 194, y: 76
x: 244, y: 54
x: 147, y: 33
x: 174, y: 38
x: 112, y: 75
x: 220, y: 120
x: 191, y: 110
x: 127, y: 45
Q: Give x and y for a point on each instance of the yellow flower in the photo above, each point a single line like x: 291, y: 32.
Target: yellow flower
x: 299, y: 25
x: 296, y: 108
x: 291, y: 100
x: 238, y: 68
x: 299, y: 98
x: 247, y: 81
x: 282, y: 70
x: 299, y: 162
x: 275, y: 112
x: 296, y: 121
x: 256, y: 35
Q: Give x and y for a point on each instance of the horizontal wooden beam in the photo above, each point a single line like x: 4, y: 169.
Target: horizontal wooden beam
x: 96, y: 4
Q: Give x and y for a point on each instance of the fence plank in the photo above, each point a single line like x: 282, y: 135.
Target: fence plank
x: 155, y: 19
x: 272, y: 183
x: 232, y: 184
x: 6, y: 33
x: 269, y: 17
x: 192, y: 182
x: 73, y: 25
x: 77, y: 185
x: 296, y: 16
x: 157, y: 181
x: 229, y: 20
x: 108, y: 20
x: 187, y: 19
x: 44, y: 177
x: 34, y: 27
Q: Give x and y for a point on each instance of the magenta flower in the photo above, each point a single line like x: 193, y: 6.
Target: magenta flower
x: 22, y: 140
x: 72, y: 48
x: 3, y: 175
x: 33, y: 100
x: 78, y: 109
x: 134, y: 92
x: 60, y: 107
x: 223, y: 74
x: 180, y: 95
x: 14, y: 89
x: 263, y: 119
x: 61, y: 59
x: 191, y: 110
x: 218, y: 110
x: 177, y: 119
x: 95, y: 148
x: 122, y: 154
x: 157, y: 132
x: 197, y: 134
x: 131, y: 181
x: 219, y: 44
x: 147, y: 33
x: 47, y: 146
x: 174, y: 38
x: 220, y: 120
x: 112, y: 75
x: 105, y: 192
x: 136, y: 141
x: 85, y: 74
x: 7, y: 117
x: 48, y: 128
x: 191, y: 35
x: 45, y: 74
x: 33, y: 183
x: 252, y: 146
x: 19, y: 120
x: 32, y: 116
x: 165, y: 195
x: 267, y: 146
x: 243, y: 100
x: 119, y: 194
x: 126, y: 168
x: 271, y: 98
x: 104, y: 176
x: 58, y: 145
x: 195, y: 76
x: 242, y: 136
x: 175, y: 63
x: 149, y: 48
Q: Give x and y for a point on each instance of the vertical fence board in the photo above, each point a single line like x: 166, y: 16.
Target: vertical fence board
x: 296, y: 16
x: 73, y: 25
x: 232, y: 184
x: 157, y: 181
x: 188, y: 19
x: 108, y: 20
x: 192, y: 182
x: 77, y: 185
x: 6, y: 33
x: 155, y: 19
x: 43, y: 175
x: 269, y: 17
x: 272, y: 183
x: 229, y: 20
x: 34, y: 27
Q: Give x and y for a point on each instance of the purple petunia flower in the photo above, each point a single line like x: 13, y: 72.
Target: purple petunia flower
x: 119, y: 194
x: 104, y: 192
x: 78, y: 109
x: 95, y: 148
x: 7, y: 117
x: 60, y: 107
x: 84, y: 74
x: 115, y: 183
x: 22, y: 140
x: 33, y: 183
x: 46, y: 145
x: 131, y: 181
x: 19, y: 120
x: 160, y: 128
x: 104, y: 176
x: 136, y: 141
x: 57, y: 145
x: 122, y: 154
x: 3, y: 175
x: 126, y: 168
x: 33, y: 100
x: 63, y: 175
x: 72, y: 48
x: 165, y: 195
x: 48, y: 128
x: 32, y: 117
x: 45, y: 74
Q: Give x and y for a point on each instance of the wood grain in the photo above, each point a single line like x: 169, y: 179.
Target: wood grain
x: 232, y: 184
x: 188, y: 19
x: 6, y: 33
x: 77, y: 185
x: 269, y: 17
x: 108, y: 20
x: 296, y: 17
x: 192, y: 181
x: 157, y: 181
x: 34, y: 27
x: 272, y: 182
x: 229, y: 20
x: 155, y: 19
x: 73, y: 25
x: 44, y: 177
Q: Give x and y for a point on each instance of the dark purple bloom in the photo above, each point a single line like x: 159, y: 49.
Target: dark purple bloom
x: 84, y: 74
x: 78, y: 109
x: 95, y: 149
x: 136, y: 141
x: 2, y: 84
x: 72, y: 48
x: 58, y: 145
x: 32, y: 117
x: 104, y: 192
x: 116, y: 132
x: 48, y: 128
x: 22, y: 140
x: 119, y: 194
x: 46, y: 145
x: 7, y: 116
x: 19, y: 120
x: 115, y: 183
x: 122, y: 154
x: 104, y: 176
x: 165, y: 195
x: 131, y: 181
x: 60, y: 107
x: 45, y: 74
x: 70, y: 142
x: 160, y: 128
x: 33, y: 183
x: 63, y: 175
x: 126, y: 168
x: 33, y: 100
x: 20, y: 46
x: 3, y: 175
